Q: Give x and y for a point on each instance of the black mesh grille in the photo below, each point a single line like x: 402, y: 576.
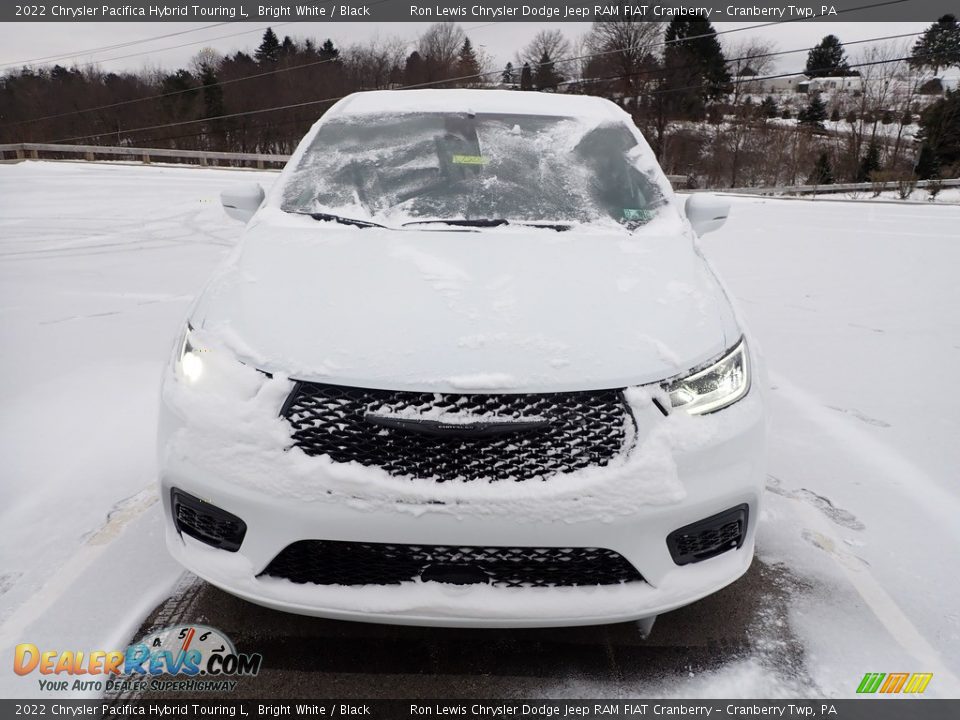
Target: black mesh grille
x: 326, y: 562
x: 206, y: 522
x: 709, y: 537
x: 582, y: 429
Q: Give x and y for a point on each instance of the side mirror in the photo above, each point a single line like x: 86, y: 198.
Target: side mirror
x: 241, y: 201
x: 706, y: 212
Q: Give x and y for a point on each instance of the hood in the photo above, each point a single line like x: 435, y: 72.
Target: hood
x: 500, y: 309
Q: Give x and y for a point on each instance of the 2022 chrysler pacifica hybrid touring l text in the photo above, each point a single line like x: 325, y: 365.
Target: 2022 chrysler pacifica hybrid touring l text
x: 466, y: 367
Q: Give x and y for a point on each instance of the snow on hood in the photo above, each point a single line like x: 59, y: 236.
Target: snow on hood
x: 509, y: 308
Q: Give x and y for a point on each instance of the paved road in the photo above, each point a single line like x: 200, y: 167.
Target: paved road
x: 308, y: 657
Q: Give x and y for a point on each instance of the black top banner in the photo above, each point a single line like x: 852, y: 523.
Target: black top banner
x: 490, y: 709
x: 475, y: 10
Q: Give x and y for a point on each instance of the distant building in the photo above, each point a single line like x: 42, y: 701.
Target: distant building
x: 842, y: 84
x: 780, y: 85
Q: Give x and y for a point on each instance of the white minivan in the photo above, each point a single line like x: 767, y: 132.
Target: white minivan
x: 467, y: 367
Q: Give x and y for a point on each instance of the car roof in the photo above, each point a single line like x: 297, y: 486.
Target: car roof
x: 514, y: 102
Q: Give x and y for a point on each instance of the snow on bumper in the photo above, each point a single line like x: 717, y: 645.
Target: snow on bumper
x: 226, y: 444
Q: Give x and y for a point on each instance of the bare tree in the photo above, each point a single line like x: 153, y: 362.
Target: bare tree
x: 622, y: 47
x: 439, y: 46
x: 205, y: 57
x: 880, y: 75
x: 371, y: 65
x: 552, y: 42
x: 748, y: 58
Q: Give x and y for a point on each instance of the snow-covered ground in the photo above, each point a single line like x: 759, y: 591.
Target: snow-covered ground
x: 855, y: 306
x: 947, y: 196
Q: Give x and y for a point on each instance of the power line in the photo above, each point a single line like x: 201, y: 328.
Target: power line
x: 116, y: 46
x: 654, y: 71
x: 195, y: 42
x: 445, y: 81
x: 660, y: 91
x: 752, y: 79
x: 174, y: 93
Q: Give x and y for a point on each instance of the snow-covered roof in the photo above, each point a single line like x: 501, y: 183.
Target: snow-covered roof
x: 479, y: 101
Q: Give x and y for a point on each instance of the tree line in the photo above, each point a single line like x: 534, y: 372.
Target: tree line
x: 698, y: 102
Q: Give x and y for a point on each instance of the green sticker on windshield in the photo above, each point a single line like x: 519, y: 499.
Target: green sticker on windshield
x: 637, y: 214
x: 469, y: 160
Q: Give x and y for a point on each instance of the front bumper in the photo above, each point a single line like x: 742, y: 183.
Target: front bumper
x: 241, y: 465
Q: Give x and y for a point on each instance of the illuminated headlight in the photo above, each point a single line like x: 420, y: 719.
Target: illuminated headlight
x: 190, y: 358
x: 714, y: 387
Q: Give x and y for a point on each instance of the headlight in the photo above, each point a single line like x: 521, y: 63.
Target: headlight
x: 190, y: 358
x: 715, y: 387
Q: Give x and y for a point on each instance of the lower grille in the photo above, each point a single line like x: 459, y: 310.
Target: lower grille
x: 207, y: 523
x: 537, y: 435
x: 326, y: 562
x: 709, y: 537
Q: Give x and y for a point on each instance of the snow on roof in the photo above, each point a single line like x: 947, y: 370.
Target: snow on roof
x: 479, y: 101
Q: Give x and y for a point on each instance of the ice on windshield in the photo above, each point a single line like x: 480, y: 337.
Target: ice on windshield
x: 460, y: 166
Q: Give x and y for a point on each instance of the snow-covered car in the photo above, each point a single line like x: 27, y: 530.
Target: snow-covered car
x: 467, y: 366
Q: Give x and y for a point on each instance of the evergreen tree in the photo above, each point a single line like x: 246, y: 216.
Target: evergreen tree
x: 814, y: 113
x: 850, y: 117
x: 870, y: 163
x: 212, y: 92
x: 414, y: 70
x: 288, y: 48
x: 939, y: 46
x: 467, y: 65
x: 694, y: 70
x: 545, y: 77
x: 940, y: 130
x: 927, y: 166
x: 694, y: 42
x: 526, y: 77
x: 768, y: 107
x: 213, y: 106
x: 508, y: 75
x: 181, y: 92
x: 328, y: 51
x: 835, y: 115
x: 933, y: 86
x: 269, y: 50
x: 822, y: 172
x: 827, y: 59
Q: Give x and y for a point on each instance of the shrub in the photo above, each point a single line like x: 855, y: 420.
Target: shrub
x: 906, y: 184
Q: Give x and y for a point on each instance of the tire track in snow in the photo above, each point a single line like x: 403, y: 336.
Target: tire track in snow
x: 73, y: 568
x: 894, y: 467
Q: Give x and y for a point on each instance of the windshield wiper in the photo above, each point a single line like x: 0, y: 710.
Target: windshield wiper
x: 490, y: 222
x: 478, y: 222
x: 329, y: 217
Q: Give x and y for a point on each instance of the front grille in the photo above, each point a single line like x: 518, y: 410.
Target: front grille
x: 207, y: 523
x: 327, y: 562
x: 709, y: 537
x: 580, y: 429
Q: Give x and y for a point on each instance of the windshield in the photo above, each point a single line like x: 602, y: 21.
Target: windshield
x: 394, y: 169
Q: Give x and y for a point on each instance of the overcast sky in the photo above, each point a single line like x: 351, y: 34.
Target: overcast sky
x: 71, y: 42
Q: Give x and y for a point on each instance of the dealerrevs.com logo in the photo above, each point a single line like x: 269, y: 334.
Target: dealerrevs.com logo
x: 187, y: 658
x: 894, y: 683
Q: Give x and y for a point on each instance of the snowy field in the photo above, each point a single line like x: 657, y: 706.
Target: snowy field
x: 855, y: 306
